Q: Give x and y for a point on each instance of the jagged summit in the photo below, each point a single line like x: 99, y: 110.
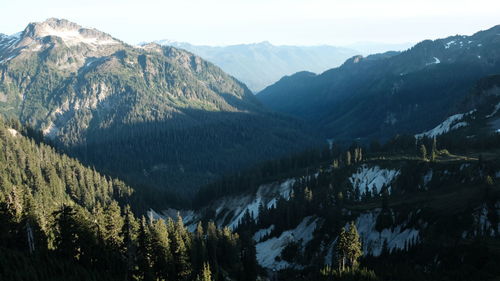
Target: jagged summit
x: 70, y: 32
x: 58, y: 35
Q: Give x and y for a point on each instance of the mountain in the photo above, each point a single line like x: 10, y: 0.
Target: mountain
x: 154, y: 116
x: 261, y: 64
x: 393, y: 93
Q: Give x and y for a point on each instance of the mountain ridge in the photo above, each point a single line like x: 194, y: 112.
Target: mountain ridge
x: 340, y: 100
x: 260, y: 64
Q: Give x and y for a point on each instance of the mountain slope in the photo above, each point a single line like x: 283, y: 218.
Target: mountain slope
x: 387, y: 94
x: 418, y: 219
x: 476, y: 120
x: 60, y: 220
x: 261, y: 64
x: 156, y: 116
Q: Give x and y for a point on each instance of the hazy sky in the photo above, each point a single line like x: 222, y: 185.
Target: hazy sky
x: 298, y: 22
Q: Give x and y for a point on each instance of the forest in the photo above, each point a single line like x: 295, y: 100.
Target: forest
x: 59, y: 218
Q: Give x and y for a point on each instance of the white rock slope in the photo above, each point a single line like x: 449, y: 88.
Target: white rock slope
x: 451, y: 123
x: 373, y: 178
x: 268, y: 250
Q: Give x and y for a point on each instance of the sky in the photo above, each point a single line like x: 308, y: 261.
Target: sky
x: 281, y: 22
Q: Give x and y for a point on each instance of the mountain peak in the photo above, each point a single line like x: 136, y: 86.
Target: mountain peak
x: 70, y: 32
x: 56, y: 23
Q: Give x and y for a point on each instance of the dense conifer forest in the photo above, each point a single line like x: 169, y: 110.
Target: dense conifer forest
x: 60, y: 220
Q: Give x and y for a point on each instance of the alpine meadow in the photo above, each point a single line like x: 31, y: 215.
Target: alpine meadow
x: 245, y: 140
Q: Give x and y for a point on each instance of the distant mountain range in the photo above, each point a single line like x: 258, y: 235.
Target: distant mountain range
x: 382, y: 95
x: 261, y: 64
x: 154, y: 115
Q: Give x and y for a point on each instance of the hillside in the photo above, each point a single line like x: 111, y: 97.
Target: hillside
x: 261, y: 64
x: 432, y: 218
x: 387, y: 94
x: 61, y: 220
x: 477, y: 116
x: 154, y: 116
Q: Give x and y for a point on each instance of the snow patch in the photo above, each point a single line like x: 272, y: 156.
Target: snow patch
x: 261, y: 233
x: 266, y: 195
x: 13, y: 132
x: 373, y: 178
x: 286, y: 188
x: 483, y: 225
x: 448, y: 45
x: 272, y: 203
x: 436, y: 61
x: 372, y: 240
x: 269, y: 250
x: 252, y: 208
x: 451, y: 123
x: 497, y: 107
x: 428, y: 177
x: 330, y: 143
x: 464, y: 165
x: 51, y: 131
x: 189, y: 217
x: 230, y: 210
x: 73, y: 36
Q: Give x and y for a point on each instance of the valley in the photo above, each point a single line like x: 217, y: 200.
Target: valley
x: 121, y: 162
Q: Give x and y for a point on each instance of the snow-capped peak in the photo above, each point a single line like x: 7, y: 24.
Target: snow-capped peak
x: 166, y: 42
x: 70, y: 33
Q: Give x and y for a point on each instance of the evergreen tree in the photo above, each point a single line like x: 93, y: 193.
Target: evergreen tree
x: 385, y: 248
x: 205, y: 274
x: 67, y: 238
x: 423, y: 152
x: 308, y: 195
x: 113, y: 224
x: 348, y: 158
x: 160, y: 251
x: 248, y: 258
x: 129, y: 248
x: 434, y: 149
x: 348, y: 248
x: 144, y: 252
x: 198, y: 250
x: 354, y: 251
x: 180, y: 254
x: 212, y: 247
x: 342, y: 249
